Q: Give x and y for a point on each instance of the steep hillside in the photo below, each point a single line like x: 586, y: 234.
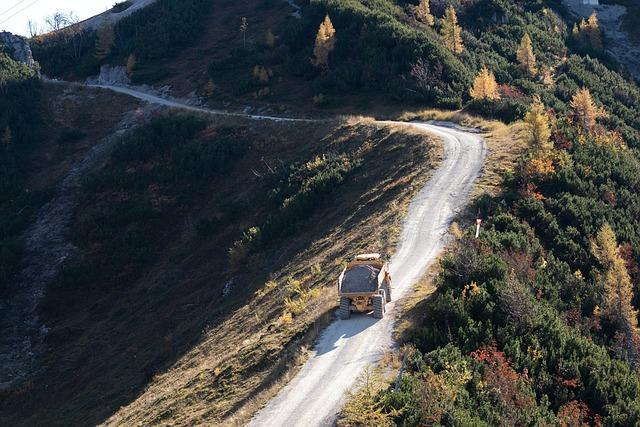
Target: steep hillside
x: 207, y: 246
x: 197, y: 236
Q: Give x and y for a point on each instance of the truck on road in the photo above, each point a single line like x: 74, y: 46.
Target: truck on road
x: 365, y: 285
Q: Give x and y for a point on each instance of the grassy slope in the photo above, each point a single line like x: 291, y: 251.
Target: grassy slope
x: 157, y: 319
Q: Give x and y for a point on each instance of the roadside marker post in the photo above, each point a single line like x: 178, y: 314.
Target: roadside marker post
x: 478, y: 222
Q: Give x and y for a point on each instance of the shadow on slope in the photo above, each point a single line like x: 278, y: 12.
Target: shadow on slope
x: 152, y: 315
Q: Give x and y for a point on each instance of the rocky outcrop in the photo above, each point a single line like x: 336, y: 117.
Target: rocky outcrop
x: 17, y: 47
x: 110, y: 75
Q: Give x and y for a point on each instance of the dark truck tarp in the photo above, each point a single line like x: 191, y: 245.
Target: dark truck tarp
x: 360, y: 279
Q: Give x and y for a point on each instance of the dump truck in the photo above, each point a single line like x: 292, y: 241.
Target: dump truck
x: 365, y: 285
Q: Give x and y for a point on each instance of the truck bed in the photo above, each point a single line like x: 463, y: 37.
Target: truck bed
x: 360, y: 279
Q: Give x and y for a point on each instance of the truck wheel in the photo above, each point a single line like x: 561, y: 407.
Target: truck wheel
x: 378, y: 306
x: 345, y: 308
x: 387, y: 290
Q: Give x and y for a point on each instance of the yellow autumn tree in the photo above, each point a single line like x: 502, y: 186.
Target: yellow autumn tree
x: 538, y: 127
x: 575, y: 32
x: 104, y: 41
x: 423, y: 12
x: 588, y: 33
x: 593, y: 32
x: 583, y: 110
x: 539, y: 161
x: 525, y: 55
x: 618, y: 289
x: 325, y: 43
x: 451, y: 32
x: 485, y: 86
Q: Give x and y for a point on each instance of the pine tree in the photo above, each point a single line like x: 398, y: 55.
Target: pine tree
x: 423, y: 12
x: 583, y: 111
x: 104, y: 41
x: 525, y: 55
x: 485, y: 86
x: 537, y: 121
x: 593, y: 32
x: 618, y: 289
x: 325, y: 43
x: 451, y: 32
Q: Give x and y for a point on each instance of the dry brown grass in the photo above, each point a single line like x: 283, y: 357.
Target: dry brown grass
x: 504, y: 142
x: 245, y: 361
x: 239, y: 365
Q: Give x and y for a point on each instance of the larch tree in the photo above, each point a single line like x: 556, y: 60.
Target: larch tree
x: 104, y: 41
x: 423, y: 12
x: 325, y: 43
x: 538, y: 126
x: 525, y: 55
x: 575, y: 32
x: 485, y: 86
x: 451, y: 32
x: 583, y: 110
x: 618, y: 289
x: 588, y: 33
x: 593, y: 32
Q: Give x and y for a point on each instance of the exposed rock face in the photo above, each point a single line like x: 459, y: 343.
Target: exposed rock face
x: 111, y: 75
x: 17, y: 47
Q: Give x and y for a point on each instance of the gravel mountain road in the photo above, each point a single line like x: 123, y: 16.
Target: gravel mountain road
x: 314, y: 397
x: 183, y: 105
x: 346, y: 347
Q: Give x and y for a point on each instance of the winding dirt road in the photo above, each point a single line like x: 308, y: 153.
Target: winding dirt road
x: 346, y: 347
x: 314, y: 397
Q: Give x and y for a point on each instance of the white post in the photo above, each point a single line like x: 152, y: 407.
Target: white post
x: 478, y: 222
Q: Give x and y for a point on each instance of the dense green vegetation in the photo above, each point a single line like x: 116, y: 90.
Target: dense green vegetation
x: 515, y: 334
x: 170, y: 155
x: 155, y: 32
x: 164, y: 155
x: 19, y: 97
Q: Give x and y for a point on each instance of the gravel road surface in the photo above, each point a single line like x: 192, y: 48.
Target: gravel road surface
x: 315, y: 396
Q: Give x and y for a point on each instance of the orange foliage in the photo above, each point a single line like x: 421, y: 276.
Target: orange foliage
x: 507, y: 387
x: 577, y: 414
